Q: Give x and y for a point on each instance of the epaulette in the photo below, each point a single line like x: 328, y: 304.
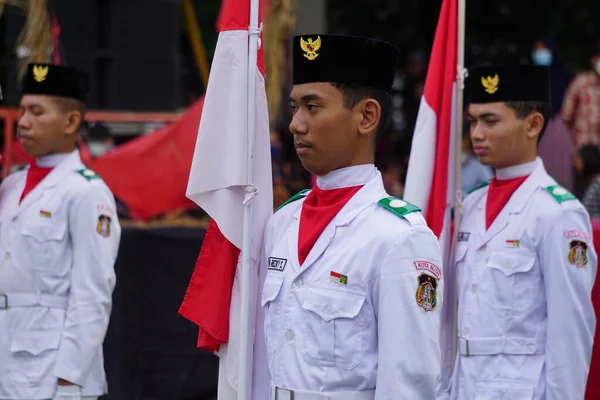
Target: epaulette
x: 88, y: 174
x: 297, y: 196
x: 560, y: 194
x: 398, y: 206
x: 481, y: 185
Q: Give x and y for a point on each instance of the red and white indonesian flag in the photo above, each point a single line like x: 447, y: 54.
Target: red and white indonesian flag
x: 430, y: 181
x: 218, y: 183
x: 430, y: 176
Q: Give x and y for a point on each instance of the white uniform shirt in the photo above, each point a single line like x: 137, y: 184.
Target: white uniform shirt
x: 57, y: 254
x: 525, y: 317
x: 360, y: 313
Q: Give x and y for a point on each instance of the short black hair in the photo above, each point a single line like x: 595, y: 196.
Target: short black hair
x: 353, y: 94
x: 523, y: 109
x: 67, y: 104
x: 590, y: 154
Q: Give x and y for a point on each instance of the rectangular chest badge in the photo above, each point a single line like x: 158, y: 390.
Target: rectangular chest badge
x: 512, y: 244
x: 277, y: 264
x: 338, y: 278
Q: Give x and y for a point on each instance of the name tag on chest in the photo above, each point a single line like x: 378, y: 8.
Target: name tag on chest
x: 277, y: 264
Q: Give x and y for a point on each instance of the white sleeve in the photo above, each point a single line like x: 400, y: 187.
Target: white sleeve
x: 407, y: 297
x: 569, y: 264
x: 95, y: 235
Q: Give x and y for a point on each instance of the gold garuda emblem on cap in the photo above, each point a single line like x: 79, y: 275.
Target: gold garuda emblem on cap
x: 40, y: 72
x: 490, y: 84
x: 311, y: 47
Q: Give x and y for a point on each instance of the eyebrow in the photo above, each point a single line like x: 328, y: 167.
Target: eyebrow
x: 484, y: 115
x: 307, y: 98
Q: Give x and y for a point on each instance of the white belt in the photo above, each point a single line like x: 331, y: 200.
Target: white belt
x: 278, y: 393
x: 13, y: 300
x: 501, y: 345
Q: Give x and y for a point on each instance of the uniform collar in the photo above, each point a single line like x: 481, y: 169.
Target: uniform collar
x: 518, y: 171
x: 52, y: 160
x: 347, y: 177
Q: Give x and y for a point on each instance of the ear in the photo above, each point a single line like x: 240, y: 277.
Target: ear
x: 534, y: 125
x: 73, y: 121
x: 370, y: 114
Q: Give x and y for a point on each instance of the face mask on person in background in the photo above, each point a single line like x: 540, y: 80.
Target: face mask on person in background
x: 542, y: 57
x: 99, y: 148
x: 597, y: 65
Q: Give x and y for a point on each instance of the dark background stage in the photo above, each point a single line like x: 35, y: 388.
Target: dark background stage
x: 150, y: 351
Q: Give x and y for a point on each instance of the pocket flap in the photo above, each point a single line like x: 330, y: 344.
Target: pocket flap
x: 331, y: 304
x: 271, y: 289
x: 34, y: 342
x: 44, y: 232
x: 511, y: 263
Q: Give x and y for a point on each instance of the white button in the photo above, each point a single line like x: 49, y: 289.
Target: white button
x: 298, y: 284
x: 289, y: 335
x: 397, y: 203
x: 473, y: 289
x: 559, y: 191
x: 328, y: 309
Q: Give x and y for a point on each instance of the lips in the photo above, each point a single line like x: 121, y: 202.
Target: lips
x: 301, y: 147
x: 478, y: 150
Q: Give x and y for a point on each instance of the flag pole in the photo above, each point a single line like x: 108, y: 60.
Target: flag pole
x: 461, y: 75
x: 246, y: 348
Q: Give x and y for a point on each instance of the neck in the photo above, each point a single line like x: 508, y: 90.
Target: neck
x: 347, y: 177
x: 516, y: 171
x: 51, y: 160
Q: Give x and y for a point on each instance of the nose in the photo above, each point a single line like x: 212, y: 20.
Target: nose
x: 476, y: 132
x: 298, y: 126
x: 24, y: 122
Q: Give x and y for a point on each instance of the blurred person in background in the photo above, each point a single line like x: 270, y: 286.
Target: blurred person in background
x: 581, y: 109
x: 100, y: 140
x: 555, y: 147
x: 587, y: 164
x: 59, y: 238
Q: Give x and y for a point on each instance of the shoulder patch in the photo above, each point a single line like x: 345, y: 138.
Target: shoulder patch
x: 297, y: 196
x: 398, y: 206
x: 88, y: 174
x: 481, y: 185
x: 560, y: 194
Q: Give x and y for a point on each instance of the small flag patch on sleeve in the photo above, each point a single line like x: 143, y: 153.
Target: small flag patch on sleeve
x: 338, y: 278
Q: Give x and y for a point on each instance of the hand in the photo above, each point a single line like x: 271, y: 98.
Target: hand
x: 68, y: 391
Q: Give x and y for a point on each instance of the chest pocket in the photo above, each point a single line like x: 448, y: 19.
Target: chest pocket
x: 508, y: 280
x: 333, y: 333
x: 270, y: 292
x: 41, y: 246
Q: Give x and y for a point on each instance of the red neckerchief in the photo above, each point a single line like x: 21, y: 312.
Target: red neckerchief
x: 318, y: 209
x: 499, y: 193
x: 35, y: 175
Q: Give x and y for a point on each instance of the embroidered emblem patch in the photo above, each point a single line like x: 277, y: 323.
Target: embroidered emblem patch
x: 277, y: 264
x: 463, y: 236
x: 512, y: 243
x: 426, y: 292
x: 577, y: 235
x: 490, y: 84
x: 45, y: 214
x: 428, y: 266
x: 311, y: 47
x: 338, y: 278
x: 578, y: 253
x: 103, y: 226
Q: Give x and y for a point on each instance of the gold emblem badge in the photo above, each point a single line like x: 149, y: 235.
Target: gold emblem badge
x: 311, y: 47
x: 490, y: 84
x: 103, y: 226
x: 40, y: 72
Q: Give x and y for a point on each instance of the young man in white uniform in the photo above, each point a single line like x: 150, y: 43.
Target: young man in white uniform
x: 525, y: 258
x: 353, y: 287
x: 59, y: 237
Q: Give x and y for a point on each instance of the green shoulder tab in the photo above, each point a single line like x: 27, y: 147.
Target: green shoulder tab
x: 88, y: 174
x: 481, y: 185
x: 559, y: 193
x: 297, y: 196
x: 398, y: 206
